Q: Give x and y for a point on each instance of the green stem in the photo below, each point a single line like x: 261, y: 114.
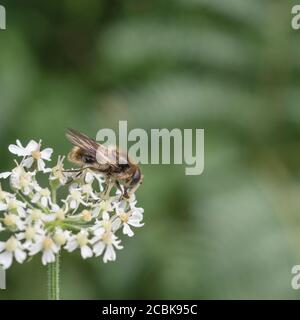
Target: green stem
x: 53, y: 195
x: 53, y: 279
x: 25, y: 200
x: 53, y: 269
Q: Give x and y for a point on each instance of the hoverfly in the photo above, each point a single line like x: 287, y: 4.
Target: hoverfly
x: 114, y: 164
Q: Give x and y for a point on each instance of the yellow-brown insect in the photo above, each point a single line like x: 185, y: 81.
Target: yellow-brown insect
x: 114, y: 164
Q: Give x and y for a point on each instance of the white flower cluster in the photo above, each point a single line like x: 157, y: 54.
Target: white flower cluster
x: 33, y: 221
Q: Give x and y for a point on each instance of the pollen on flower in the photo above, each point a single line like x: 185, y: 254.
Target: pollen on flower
x: 36, y: 214
x: 10, y: 220
x: 76, y: 195
x: 30, y: 233
x: 45, y: 192
x: 36, y: 155
x: 12, y: 205
x: 11, y: 244
x: 124, y: 216
x: 60, y: 238
x: 60, y: 215
x: 47, y: 243
x: 106, y: 238
x: 25, y: 180
x: 106, y: 225
x: 2, y: 195
x: 87, y: 189
x: 82, y: 239
x: 57, y: 172
x: 105, y: 205
x: 86, y: 215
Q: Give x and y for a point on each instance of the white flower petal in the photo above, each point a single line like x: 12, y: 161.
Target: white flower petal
x: 127, y: 230
x: 137, y: 215
x: 2, y: 246
x: 32, y: 146
x: 135, y: 223
x: 19, y: 144
x: 44, y: 201
x: 116, y: 224
x: 41, y: 165
x: 89, y: 177
x: 86, y: 252
x: 20, y: 255
x: 71, y: 245
x: 46, y: 154
x: 110, y: 254
x: 21, y: 212
x: 5, y: 175
x: 35, y: 198
x: 55, y: 248
x: 99, y: 232
x: 28, y: 162
x: 6, y: 259
x: 49, y: 217
x: 48, y: 257
x: 73, y: 204
x: 105, y: 215
x: 3, y: 206
x: 17, y: 150
x: 98, y: 248
x: 35, y: 248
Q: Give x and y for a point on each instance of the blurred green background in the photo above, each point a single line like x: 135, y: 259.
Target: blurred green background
x: 231, y: 67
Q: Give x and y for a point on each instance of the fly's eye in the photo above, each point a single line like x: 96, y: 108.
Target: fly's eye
x: 88, y: 159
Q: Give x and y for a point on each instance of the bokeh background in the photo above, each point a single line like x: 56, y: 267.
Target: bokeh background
x: 231, y: 67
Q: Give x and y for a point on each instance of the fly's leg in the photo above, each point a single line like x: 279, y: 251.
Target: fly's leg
x: 133, y: 189
x: 106, y: 183
x: 74, y: 170
x: 108, y: 186
x: 119, y: 187
x: 79, y: 172
x: 126, y: 196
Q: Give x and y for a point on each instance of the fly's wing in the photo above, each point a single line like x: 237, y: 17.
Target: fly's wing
x: 102, y: 154
x: 88, y: 145
x: 116, y: 156
x: 119, y: 157
x: 112, y: 156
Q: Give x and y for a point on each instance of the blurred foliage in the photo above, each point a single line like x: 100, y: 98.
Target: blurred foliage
x: 230, y: 67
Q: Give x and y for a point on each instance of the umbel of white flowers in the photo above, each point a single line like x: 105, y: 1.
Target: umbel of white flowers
x: 33, y: 220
